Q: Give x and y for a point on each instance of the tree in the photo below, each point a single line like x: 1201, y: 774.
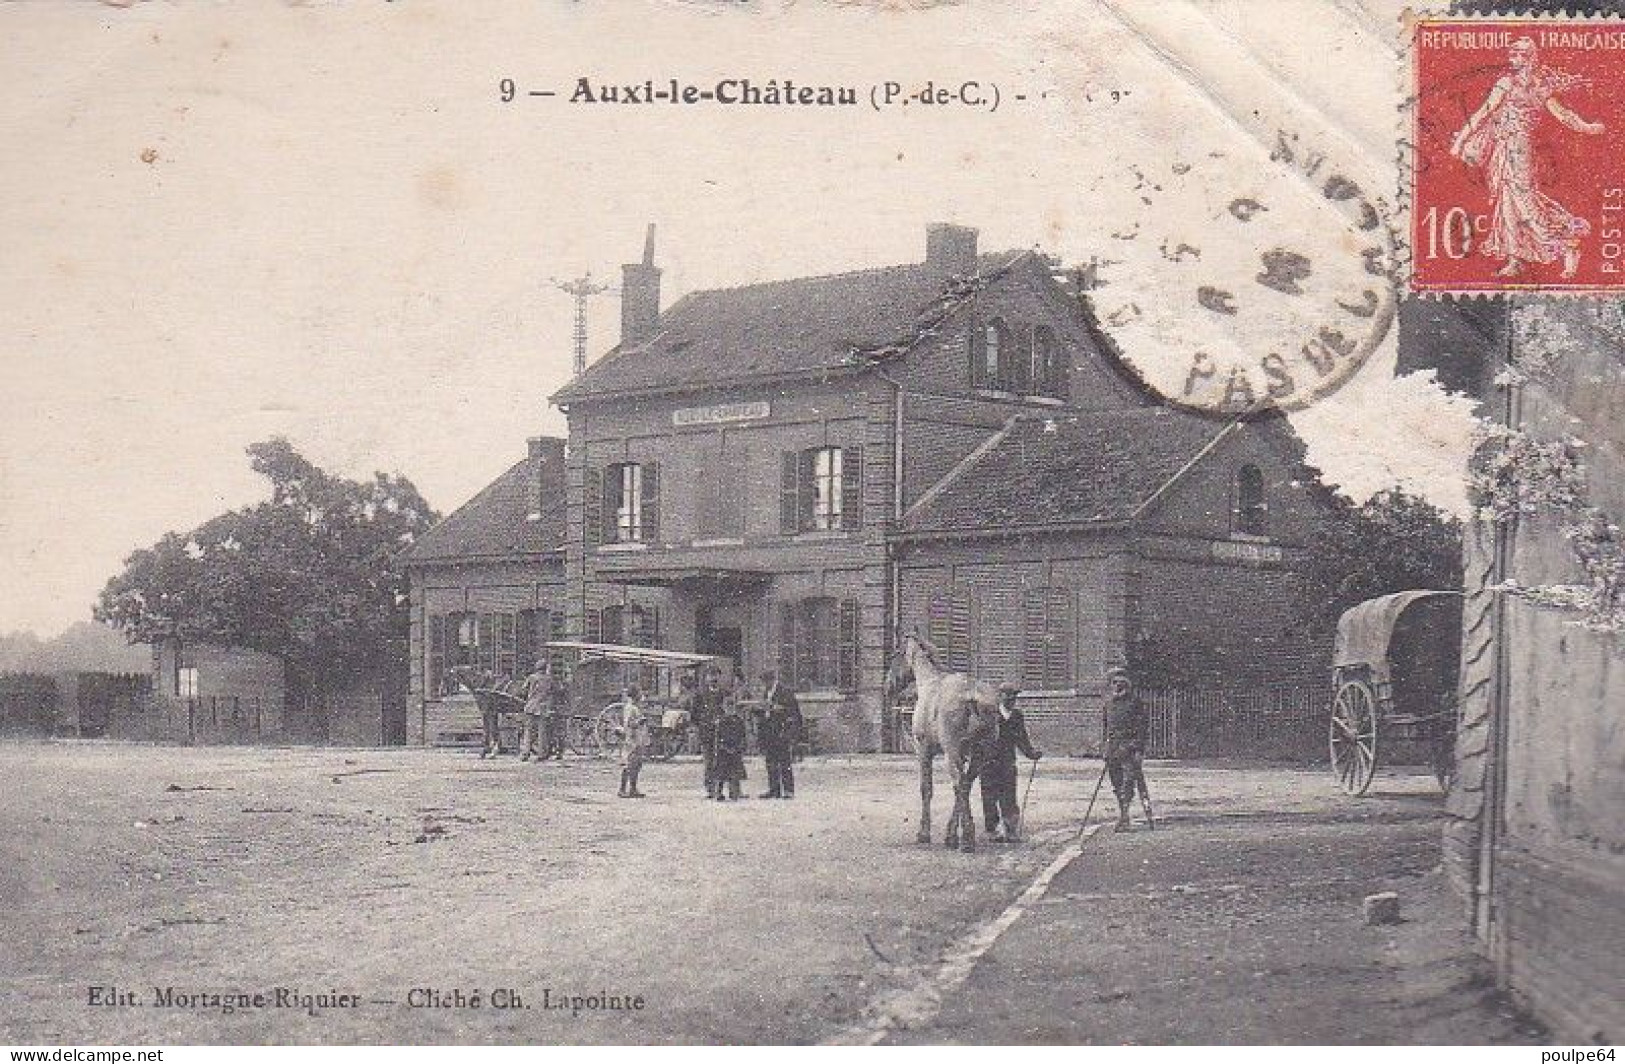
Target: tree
x: 1392, y: 542
x: 312, y: 575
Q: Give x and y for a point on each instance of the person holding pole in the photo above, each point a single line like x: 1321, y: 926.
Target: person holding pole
x: 1124, y: 745
x: 999, y: 775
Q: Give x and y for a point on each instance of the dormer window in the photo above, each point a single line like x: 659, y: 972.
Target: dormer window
x: 1023, y: 360
x: 1252, y: 511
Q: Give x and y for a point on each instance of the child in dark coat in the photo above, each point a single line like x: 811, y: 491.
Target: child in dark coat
x: 729, y: 767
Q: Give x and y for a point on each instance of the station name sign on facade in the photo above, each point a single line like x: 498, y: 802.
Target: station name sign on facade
x: 721, y: 414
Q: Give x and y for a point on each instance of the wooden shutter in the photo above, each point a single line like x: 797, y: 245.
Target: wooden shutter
x: 1059, y: 639
x: 812, y: 644
x: 978, y: 355
x: 649, y: 482
x: 611, y: 505
x: 852, y: 488
x: 847, y: 657
x: 594, y: 626
x: 486, y: 637
x: 1034, y: 629
x: 434, y: 678
x: 790, y: 493
x: 592, y: 507
x: 962, y: 640
x: 507, y: 657
x: 937, y: 627
x: 708, y: 498
x: 530, y: 632
x: 787, y: 644
x: 555, y: 632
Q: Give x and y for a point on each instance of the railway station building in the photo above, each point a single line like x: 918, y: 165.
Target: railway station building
x: 793, y: 473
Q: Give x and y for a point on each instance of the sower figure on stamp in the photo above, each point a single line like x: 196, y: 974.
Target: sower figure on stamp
x: 778, y: 729
x: 1125, y: 744
x: 999, y: 807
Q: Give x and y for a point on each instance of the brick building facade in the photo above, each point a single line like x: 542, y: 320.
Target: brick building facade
x: 786, y: 473
x: 486, y: 591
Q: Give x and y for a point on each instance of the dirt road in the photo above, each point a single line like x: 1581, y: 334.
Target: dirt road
x: 409, y: 880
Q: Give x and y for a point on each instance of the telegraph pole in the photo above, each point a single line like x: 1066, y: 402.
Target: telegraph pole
x: 581, y: 289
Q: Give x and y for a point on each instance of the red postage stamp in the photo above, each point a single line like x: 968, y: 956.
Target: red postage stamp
x: 1518, y: 156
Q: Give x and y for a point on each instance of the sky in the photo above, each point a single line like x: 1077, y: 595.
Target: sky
x: 322, y: 221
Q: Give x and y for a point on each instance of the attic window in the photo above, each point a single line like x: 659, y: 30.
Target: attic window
x: 1252, y: 511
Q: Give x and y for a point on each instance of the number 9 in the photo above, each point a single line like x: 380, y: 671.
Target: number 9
x: 505, y: 86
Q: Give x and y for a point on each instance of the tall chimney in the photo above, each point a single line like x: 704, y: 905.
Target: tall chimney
x: 951, y: 248
x: 640, y: 295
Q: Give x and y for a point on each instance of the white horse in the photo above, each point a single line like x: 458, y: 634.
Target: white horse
x: 954, y: 714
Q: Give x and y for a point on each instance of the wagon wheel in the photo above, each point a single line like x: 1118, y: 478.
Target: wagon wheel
x: 608, y: 730
x: 1353, y: 738
x: 581, y: 736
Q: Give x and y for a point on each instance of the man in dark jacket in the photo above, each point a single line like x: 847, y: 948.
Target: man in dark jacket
x: 707, y: 708
x: 778, y: 729
x: 999, y: 807
x: 1124, y: 743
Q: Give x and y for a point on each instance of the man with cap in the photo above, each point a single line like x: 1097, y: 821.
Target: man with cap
x: 999, y: 807
x: 778, y: 729
x: 1124, y: 725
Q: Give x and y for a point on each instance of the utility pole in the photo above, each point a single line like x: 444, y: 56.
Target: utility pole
x: 581, y: 289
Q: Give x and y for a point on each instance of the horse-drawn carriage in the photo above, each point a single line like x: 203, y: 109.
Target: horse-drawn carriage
x: 1394, y: 670
x: 599, y: 672
x: 596, y: 674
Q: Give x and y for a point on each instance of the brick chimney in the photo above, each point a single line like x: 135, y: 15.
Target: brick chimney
x: 640, y: 295
x: 951, y: 248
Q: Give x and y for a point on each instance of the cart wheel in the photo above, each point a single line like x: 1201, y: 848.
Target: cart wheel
x: 581, y: 736
x: 1353, y: 738
x: 609, y: 732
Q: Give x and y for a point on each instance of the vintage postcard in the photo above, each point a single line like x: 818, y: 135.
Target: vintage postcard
x: 806, y: 523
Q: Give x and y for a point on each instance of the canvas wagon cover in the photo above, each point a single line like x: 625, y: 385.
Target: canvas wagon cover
x: 1364, y: 631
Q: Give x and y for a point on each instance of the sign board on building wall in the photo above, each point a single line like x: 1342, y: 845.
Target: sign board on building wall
x: 721, y: 413
x: 1253, y: 553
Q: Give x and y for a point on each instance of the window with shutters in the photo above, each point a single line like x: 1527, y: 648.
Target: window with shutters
x: 503, y: 644
x: 950, y: 629
x: 821, y: 490
x: 818, y: 644
x: 623, y: 503
x: 1251, y: 509
x: 1048, y: 634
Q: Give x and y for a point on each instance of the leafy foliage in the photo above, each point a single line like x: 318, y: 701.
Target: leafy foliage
x: 311, y: 575
x: 1394, y: 541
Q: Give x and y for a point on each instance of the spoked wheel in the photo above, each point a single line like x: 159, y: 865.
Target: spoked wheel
x: 581, y: 736
x: 1353, y: 737
x: 610, y: 734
